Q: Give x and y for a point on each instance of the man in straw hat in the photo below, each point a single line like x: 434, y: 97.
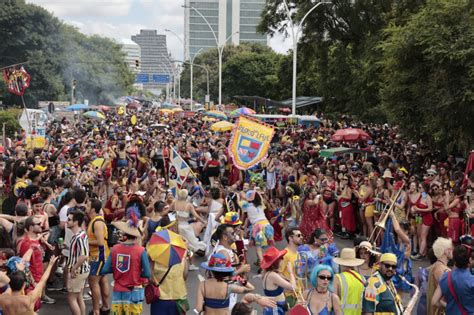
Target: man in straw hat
x: 349, y: 284
x: 128, y: 262
x: 380, y: 295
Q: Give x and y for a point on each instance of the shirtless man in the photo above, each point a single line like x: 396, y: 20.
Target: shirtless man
x: 17, y: 302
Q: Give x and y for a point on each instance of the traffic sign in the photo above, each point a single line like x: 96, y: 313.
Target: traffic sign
x: 161, y: 78
x: 142, y: 78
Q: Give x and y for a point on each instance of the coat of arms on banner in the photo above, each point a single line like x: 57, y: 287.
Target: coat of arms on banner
x: 250, y: 142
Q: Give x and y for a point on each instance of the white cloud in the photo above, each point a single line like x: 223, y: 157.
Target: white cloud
x: 89, y: 8
x: 100, y: 17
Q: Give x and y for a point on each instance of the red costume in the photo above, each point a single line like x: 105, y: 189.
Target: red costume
x: 313, y: 219
x: 348, y: 220
x: 127, y: 270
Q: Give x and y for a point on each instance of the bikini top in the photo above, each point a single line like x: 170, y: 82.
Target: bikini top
x: 217, y: 303
x: 325, y: 310
x: 271, y: 293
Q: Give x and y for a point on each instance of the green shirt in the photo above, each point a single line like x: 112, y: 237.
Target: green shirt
x: 380, y: 296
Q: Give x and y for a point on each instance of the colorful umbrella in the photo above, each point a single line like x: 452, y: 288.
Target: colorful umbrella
x: 222, y: 126
x: 242, y: 111
x: 209, y: 119
x: 350, y: 134
x: 94, y: 114
x: 216, y: 114
x: 166, y: 248
x: 166, y: 111
x: 76, y: 107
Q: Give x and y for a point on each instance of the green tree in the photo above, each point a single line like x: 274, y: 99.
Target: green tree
x: 260, y: 66
x: 428, y: 66
x: 55, y: 54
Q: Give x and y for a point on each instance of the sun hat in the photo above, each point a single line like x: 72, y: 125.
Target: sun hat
x: 403, y: 170
x: 347, y: 257
x: 387, y: 173
x: 218, y: 262
x: 127, y: 228
x: 40, y: 168
x: 368, y: 246
x: 231, y: 218
x: 388, y: 257
x: 271, y: 256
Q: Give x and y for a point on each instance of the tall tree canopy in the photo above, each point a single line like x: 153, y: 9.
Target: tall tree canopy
x: 407, y: 61
x: 247, y: 69
x: 56, y: 54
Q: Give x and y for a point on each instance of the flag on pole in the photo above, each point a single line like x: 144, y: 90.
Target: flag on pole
x: 179, y: 171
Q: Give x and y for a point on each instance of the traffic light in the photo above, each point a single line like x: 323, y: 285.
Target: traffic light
x: 74, y: 83
x: 137, y: 63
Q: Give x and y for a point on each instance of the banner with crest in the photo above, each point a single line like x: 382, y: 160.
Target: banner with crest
x: 250, y: 142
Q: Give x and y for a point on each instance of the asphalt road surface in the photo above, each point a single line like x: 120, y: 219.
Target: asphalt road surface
x: 61, y: 306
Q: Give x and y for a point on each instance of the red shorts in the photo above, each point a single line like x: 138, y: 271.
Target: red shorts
x: 428, y: 219
x: 454, y: 229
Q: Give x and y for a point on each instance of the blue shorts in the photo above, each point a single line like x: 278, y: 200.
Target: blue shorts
x: 96, y: 267
x: 280, y: 309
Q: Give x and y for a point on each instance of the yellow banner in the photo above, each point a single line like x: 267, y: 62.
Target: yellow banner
x: 250, y: 142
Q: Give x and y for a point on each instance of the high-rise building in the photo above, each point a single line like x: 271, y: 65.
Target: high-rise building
x: 155, y: 63
x: 132, y: 53
x: 232, y: 20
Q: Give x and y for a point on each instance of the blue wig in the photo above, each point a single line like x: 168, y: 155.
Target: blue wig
x: 314, y: 275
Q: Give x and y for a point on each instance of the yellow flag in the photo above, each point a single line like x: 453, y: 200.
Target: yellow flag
x: 121, y: 111
x: 133, y: 120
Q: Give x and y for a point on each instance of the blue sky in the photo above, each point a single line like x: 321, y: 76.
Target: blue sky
x: 122, y: 18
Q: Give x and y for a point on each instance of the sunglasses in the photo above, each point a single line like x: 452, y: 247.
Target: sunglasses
x: 390, y: 266
x: 323, y: 240
x: 328, y: 278
x: 298, y: 235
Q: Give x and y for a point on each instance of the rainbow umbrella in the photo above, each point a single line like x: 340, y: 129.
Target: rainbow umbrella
x: 166, y: 248
x: 242, y: 111
x: 216, y: 114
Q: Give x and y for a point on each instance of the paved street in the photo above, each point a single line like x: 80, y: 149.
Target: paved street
x: 61, y: 306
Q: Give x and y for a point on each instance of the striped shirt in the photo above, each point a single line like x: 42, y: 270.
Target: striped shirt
x: 79, y: 246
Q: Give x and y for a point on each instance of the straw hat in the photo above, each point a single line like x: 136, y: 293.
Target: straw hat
x: 369, y: 248
x: 231, y: 218
x: 348, y: 258
x: 271, y: 256
x: 387, y: 173
x: 127, y: 228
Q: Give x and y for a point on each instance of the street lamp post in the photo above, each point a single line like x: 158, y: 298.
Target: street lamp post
x: 220, y: 48
x: 294, y: 36
x: 197, y: 65
x: 191, y: 77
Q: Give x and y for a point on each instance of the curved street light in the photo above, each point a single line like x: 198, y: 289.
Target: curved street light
x: 220, y: 48
x: 295, y: 45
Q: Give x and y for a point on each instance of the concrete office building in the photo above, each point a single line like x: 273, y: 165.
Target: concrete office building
x: 155, y: 60
x: 226, y: 17
x: 132, y: 53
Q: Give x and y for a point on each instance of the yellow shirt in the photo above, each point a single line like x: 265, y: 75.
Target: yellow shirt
x: 174, y: 285
x: 291, y: 257
x: 94, y: 249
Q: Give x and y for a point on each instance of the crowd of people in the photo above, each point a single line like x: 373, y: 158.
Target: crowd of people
x: 88, y: 203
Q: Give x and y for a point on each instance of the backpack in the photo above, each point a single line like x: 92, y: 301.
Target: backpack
x: 112, y: 238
